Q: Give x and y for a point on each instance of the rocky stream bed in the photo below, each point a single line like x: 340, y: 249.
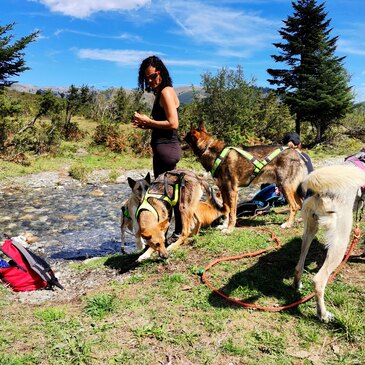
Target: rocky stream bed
x: 73, y: 222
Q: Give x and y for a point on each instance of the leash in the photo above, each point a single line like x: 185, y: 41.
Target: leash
x: 203, y: 272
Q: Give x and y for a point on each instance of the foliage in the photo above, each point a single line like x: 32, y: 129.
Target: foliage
x: 354, y: 123
x: 116, y: 106
x: 237, y: 111
x: 114, y: 110
x: 77, y: 100
x: 12, y: 61
x: 9, y: 110
x: 79, y: 172
x: 122, y: 139
x: 315, y: 82
x: 37, y: 135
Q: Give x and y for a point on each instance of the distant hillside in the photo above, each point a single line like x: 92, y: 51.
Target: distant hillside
x: 184, y: 93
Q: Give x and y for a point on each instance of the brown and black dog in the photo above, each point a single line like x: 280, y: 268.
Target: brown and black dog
x: 287, y: 170
x: 154, y: 213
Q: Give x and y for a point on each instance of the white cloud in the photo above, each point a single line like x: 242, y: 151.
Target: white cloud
x: 351, y: 47
x: 236, y: 32
x: 132, y: 57
x: 84, y: 8
x: 122, y: 57
x: 124, y: 36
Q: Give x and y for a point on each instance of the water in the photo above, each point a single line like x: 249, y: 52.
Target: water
x: 72, y: 221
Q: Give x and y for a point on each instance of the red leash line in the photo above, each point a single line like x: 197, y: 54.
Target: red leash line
x: 256, y: 253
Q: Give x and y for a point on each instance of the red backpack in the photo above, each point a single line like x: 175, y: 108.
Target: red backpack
x: 26, y: 271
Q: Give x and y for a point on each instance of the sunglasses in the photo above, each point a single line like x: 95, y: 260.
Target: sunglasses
x: 152, y: 76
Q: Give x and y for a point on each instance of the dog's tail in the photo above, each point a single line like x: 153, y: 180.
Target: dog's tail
x: 334, y: 178
x: 218, y: 205
x: 213, y: 198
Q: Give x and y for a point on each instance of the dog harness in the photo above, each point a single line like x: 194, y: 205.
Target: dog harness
x: 359, y: 161
x: 145, y: 205
x: 126, y: 213
x: 258, y: 165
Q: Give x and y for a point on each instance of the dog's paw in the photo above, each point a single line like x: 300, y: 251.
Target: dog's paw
x: 227, y: 230
x: 286, y: 225
x: 141, y: 259
x: 327, y: 317
x: 144, y: 256
x: 222, y: 226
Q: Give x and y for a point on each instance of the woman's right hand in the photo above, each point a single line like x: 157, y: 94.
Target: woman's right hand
x: 140, y: 120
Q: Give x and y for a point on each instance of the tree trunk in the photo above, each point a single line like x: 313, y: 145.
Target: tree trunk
x: 297, y: 125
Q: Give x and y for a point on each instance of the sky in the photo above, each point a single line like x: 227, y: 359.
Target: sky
x: 101, y: 43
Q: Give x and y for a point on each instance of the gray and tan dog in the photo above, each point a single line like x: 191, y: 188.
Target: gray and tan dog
x: 129, y: 208
x: 330, y: 195
x: 178, y: 186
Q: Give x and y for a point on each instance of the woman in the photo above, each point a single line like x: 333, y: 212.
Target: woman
x: 153, y: 75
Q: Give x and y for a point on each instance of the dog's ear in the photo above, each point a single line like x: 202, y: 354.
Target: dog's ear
x: 146, y: 235
x: 131, y: 182
x: 164, y: 225
x: 148, y: 178
x: 201, y: 126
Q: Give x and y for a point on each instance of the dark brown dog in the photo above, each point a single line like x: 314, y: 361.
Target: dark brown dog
x: 287, y: 170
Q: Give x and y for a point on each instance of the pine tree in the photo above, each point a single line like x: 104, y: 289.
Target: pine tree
x: 314, y: 83
x: 12, y: 61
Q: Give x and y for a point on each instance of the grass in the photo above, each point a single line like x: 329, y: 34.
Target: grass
x: 162, y: 313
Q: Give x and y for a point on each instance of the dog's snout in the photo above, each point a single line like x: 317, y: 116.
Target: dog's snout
x: 163, y: 255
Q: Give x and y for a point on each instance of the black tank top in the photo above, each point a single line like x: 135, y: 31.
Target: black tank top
x: 162, y: 135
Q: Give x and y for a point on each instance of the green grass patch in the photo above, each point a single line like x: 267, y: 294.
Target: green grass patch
x: 100, y: 305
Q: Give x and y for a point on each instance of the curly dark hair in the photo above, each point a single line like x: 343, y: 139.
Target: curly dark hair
x: 155, y: 62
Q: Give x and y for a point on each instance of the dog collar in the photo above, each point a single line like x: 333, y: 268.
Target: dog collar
x: 258, y: 165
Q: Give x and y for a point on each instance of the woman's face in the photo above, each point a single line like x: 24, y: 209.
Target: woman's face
x: 153, y: 77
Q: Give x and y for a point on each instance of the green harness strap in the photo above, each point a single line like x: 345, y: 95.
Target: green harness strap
x: 145, y: 205
x: 259, y: 165
x: 126, y: 213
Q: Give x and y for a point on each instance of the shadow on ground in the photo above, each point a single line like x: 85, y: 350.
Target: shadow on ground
x: 268, y: 277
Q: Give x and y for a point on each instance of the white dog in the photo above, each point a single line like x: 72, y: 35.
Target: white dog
x: 330, y: 195
x: 129, y: 208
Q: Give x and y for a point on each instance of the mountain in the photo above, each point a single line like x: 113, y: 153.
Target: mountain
x: 184, y: 93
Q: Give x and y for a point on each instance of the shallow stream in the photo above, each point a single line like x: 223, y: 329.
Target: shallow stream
x: 71, y: 221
